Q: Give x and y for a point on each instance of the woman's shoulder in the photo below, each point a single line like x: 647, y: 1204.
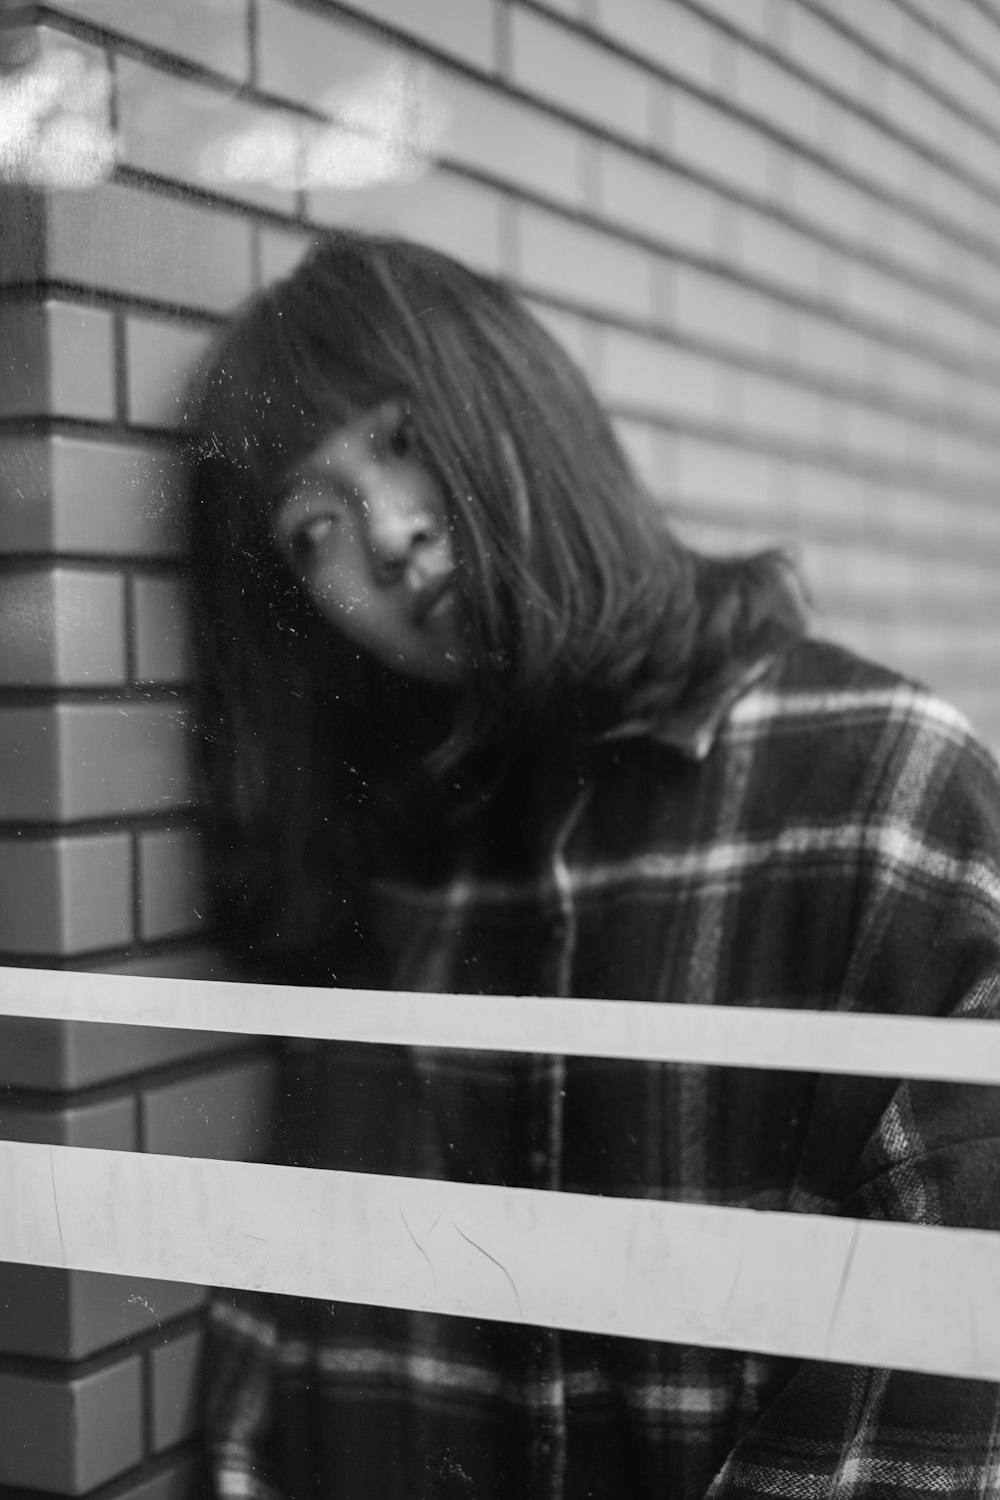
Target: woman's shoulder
x: 820, y: 685
x: 826, y: 715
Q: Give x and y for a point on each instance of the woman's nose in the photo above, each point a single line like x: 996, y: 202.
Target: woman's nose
x: 397, y: 534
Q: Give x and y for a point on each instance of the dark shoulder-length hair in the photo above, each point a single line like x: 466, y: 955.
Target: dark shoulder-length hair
x: 580, y: 605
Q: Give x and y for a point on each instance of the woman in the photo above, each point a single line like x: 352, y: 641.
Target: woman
x: 474, y: 720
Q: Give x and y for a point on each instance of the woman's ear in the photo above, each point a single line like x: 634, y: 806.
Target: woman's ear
x: 518, y: 487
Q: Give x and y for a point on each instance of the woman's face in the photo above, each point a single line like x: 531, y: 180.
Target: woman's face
x: 364, y: 528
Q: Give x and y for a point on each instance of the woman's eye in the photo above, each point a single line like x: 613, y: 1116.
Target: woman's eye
x: 400, y: 438
x: 310, y: 534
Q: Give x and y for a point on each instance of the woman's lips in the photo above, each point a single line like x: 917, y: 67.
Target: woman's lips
x: 433, y: 600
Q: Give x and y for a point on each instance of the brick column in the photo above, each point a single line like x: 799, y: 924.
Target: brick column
x: 109, y: 291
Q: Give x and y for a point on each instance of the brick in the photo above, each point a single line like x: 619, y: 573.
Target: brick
x: 955, y: 75
x: 223, y: 1114
x: 918, y: 379
x: 765, y: 88
x: 720, y: 472
x: 923, y: 448
x: 199, y: 136
x: 828, y: 346
x: 61, y: 896
x: 81, y: 379
x: 213, y: 35
x: 827, y: 200
x: 910, y: 309
x: 313, y: 59
x: 825, y: 51
x: 64, y: 494
x: 709, y: 140
x: 783, y: 322
x: 779, y: 409
x: 835, y: 415
x: 968, y: 267
x: 957, y: 328
x: 82, y: 760
x: 915, y: 112
x: 873, y: 85
x: 876, y: 295
x: 464, y: 28
x: 982, y: 35
x: 578, y: 75
x: 650, y: 198
x: 172, y: 897
x: 982, y: 402
x: 161, y: 358
x: 919, y: 179
x: 511, y: 140
x: 119, y: 239
x: 967, y: 144
x: 915, y: 245
x: 160, y: 639
x: 108, y: 1125
x: 554, y: 254
x: 714, y: 307
x: 872, y: 152
x: 70, y: 1435
x: 966, y: 588
x: 877, y: 435
x: 442, y: 209
x: 752, y: 16
x: 67, y: 1315
x: 844, y: 578
x: 57, y: 360
x: 931, y: 519
x: 711, y: 534
x: 65, y: 1055
x: 175, y: 1378
x: 658, y: 376
x: 783, y: 256
x: 949, y: 21
x: 676, y: 39
x: 978, y: 151
x: 943, y: 190
x: 963, y: 456
x: 915, y: 41
x: 826, y: 497
x: 62, y: 628
x: 577, y: 335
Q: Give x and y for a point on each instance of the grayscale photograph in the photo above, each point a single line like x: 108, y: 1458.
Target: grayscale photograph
x: 499, y: 797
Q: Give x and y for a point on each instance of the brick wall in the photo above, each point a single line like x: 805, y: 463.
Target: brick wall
x: 768, y: 229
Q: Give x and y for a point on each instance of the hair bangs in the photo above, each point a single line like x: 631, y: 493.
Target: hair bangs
x: 284, y: 376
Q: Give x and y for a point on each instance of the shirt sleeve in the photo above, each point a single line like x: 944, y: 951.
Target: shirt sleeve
x: 927, y: 891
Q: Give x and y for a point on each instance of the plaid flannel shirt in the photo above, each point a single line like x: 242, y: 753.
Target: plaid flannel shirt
x: 820, y: 835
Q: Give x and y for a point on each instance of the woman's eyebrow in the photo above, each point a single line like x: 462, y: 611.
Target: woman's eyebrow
x: 311, y: 473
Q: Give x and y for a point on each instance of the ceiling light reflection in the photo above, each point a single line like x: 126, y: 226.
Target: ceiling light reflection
x: 385, y: 129
x: 54, y: 121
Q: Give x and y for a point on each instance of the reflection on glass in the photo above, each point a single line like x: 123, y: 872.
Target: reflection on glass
x: 384, y: 129
x: 54, y: 116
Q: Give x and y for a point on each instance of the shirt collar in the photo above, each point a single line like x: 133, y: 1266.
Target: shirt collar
x: 692, y: 726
